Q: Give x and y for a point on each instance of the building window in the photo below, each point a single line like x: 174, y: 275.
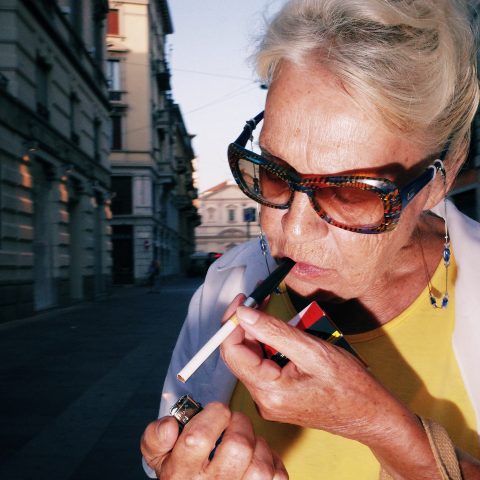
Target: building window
x: 113, y: 74
x: 76, y: 16
x: 116, y: 132
x: 42, y: 71
x: 74, y: 105
x: 113, y: 23
x: 113, y: 79
x: 97, y: 128
x: 122, y: 195
x: 210, y: 214
x: 3, y: 82
x: 99, y: 38
x: 231, y: 214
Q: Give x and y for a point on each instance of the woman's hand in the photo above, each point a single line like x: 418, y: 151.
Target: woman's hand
x: 322, y: 386
x: 240, y: 455
x: 325, y: 387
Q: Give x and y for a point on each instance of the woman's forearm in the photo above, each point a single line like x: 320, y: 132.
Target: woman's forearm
x: 406, y: 453
x: 403, y: 449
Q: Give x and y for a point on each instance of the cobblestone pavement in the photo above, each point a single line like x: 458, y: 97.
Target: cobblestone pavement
x: 79, y: 385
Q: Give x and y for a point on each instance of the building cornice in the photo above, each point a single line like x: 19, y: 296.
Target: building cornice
x: 17, y: 117
x: 34, y: 6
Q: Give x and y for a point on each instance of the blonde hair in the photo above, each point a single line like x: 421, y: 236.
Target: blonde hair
x: 412, y: 62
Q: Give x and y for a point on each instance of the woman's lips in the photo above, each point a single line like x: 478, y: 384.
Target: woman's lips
x: 302, y: 269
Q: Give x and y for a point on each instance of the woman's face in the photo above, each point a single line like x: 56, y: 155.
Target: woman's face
x: 312, y: 124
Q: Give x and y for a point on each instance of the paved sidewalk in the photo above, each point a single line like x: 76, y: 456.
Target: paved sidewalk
x: 79, y: 385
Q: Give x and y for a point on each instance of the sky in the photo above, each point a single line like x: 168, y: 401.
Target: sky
x: 212, y: 78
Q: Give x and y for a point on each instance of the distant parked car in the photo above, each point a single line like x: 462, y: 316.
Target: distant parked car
x: 200, y: 261
x: 213, y: 256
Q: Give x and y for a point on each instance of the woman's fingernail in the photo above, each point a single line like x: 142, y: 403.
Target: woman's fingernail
x: 162, y: 431
x: 247, y: 315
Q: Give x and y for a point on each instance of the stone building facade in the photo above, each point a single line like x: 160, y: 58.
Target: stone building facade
x: 224, y: 210
x: 54, y: 168
x: 153, y: 189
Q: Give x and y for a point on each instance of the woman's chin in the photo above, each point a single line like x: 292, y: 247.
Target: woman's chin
x: 312, y: 288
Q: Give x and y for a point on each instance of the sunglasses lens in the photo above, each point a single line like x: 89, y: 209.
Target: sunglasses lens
x: 350, y: 206
x: 263, y: 184
x: 347, y: 205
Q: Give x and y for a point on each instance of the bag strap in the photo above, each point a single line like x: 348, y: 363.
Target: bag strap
x: 443, y: 451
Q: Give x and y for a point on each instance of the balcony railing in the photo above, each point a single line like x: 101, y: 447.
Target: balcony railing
x: 162, y: 74
x: 183, y: 202
x: 180, y: 165
x: 161, y: 119
x: 115, y: 95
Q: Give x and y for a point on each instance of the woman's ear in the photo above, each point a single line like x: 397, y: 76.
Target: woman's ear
x: 440, y: 186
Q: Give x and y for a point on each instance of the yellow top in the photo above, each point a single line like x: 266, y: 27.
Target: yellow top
x: 412, y: 356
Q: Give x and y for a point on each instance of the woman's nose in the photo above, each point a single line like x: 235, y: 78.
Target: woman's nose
x: 301, y: 223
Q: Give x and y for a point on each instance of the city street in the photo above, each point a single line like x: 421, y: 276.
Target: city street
x: 79, y: 385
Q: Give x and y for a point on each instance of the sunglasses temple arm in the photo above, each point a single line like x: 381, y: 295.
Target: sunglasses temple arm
x: 248, y: 129
x: 409, y: 191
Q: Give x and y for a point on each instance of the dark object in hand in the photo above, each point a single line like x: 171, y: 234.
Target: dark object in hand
x: 184, y: 409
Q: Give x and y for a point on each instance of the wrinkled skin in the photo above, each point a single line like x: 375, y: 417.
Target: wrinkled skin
x: 354, y: 404
x: 240, y: 455
x: 313, y: 124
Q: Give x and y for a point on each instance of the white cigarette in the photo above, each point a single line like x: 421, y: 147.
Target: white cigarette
x: 227, y: 328
x: 200, y: 357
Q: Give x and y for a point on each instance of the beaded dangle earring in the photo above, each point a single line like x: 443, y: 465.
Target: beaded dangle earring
x: 262, y: 239
x: 446, y: 245
x: 264, y: 249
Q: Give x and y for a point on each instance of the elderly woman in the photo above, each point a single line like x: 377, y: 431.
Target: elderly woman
x: 366, y: 125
